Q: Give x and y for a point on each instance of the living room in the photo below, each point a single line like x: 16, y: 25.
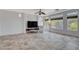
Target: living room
x: 37, y: 29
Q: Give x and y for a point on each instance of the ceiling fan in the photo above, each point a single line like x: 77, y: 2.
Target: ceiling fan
x: 40, y: 12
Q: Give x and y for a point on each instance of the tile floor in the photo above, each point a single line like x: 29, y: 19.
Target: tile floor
x: 39, y: 41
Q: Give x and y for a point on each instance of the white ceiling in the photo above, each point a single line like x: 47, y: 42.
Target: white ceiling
x: 33, y: 11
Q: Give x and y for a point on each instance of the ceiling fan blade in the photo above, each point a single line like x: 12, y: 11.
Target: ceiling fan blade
x: 43, y: 13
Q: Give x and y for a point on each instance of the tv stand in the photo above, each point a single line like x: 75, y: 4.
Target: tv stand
x: 32, y: 29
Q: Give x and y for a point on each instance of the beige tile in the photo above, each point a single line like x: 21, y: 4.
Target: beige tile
x: 38, y: 41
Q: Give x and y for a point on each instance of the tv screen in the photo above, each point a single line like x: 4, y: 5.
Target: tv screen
x: 31, y: 24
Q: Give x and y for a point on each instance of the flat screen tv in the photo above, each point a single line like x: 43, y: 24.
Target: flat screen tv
x: 32, y: 24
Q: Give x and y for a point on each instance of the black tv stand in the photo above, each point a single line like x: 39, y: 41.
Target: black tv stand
x: 32, y: 29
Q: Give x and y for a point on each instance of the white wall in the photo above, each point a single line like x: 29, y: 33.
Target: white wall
x: 10, y: 23
x: 29, y: 17
x: 0, y: 27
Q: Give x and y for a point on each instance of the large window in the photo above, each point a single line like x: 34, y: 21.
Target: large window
x: 57, y: 23
x: 72, y: 23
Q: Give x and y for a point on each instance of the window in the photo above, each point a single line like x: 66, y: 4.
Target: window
x: 72, y: 23
x: 57, y: 23
x: 46, y: 21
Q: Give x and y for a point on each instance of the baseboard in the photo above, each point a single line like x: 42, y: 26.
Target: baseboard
x: 11, y: 34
